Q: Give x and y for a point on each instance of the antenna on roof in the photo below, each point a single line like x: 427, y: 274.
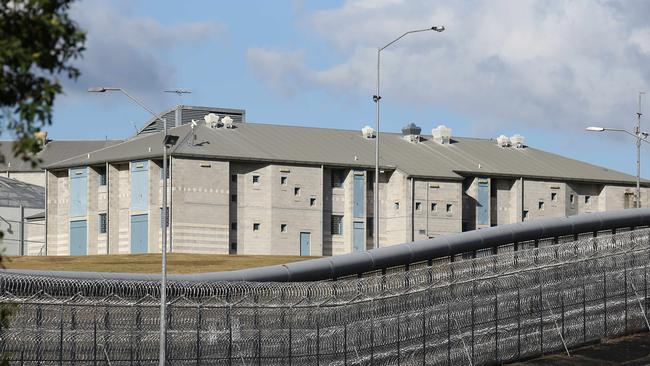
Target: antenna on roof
x: 180, y: 93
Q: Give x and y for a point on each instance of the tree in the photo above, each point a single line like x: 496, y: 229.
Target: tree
x: 38, y: 42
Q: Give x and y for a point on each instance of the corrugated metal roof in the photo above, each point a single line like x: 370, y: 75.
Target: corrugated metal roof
x: 52, y: 152
x: 334, y: 147
x: 187, y: 113
x: 15, y: 193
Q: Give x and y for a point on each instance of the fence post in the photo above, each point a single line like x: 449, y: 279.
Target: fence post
x: 345, y: 343
x: 198, y: 336
x: 424, y: 333
x: 230, y: 335
x: 541, y: 316
x: 22, y: 230
x: 496, y: 319
x: 61, y: 336
x: 518, y: 319
x: 584, y: 311
x: 448, y: 333
x: 605, y: 301
x: 94, y: 338
x: 473, y: 319
x: 625, y: 286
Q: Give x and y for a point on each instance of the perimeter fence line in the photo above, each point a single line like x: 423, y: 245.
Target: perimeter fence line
x: 478, y: 311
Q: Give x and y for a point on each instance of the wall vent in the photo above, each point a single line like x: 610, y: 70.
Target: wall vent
x: 503, y: 141
x: 441, y: 134
x: 517, y: 141
x: 368, y: 132
x: 411, y: 133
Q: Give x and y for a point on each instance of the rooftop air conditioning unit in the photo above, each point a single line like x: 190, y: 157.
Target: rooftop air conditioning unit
x: 517, y: 141
x: 211, y: 120
x: 368, y: 132
x: 411, y: 133
x: 227, y: 122
x: 441, y: 134
x: 503, y: 141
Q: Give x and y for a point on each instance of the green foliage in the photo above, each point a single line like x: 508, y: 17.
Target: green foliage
x: 37, y: 42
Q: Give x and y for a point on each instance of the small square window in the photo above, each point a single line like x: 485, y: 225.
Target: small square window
x: 553, y: 196
x: 449, y: 208
x: 102, y: 223
x: 434, y: 207
x: 283, y: 181
x: 256, y: 179
x: 296, y: 191
x: 418, y: 206
x: 572, y: 199
x: 256, y: 226
x: 283, y: 228
x: 102, y: 176
x: 233, y: 198
x: 396, y: 205
x: 540, y: 205
x: 233, y: 246
x: 312, y: 201
x: 337, y: 225
x: 233, y: 226
x: 587, y: 200
x: 525, y: 215
x: 422, y: 232
x: 233, y: 178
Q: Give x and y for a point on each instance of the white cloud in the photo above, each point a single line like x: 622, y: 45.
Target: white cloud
x: 504, y: 63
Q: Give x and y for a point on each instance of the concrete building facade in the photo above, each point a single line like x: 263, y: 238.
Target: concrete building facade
x: 248, y: 188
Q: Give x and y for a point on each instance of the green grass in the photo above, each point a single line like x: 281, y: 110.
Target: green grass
x: 148, y: 263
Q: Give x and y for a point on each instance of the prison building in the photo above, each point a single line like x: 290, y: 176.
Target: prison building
x: 15, y: 167
x: 18, y: 202
x: 250, y: 188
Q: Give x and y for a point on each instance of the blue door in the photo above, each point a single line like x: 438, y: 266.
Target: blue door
x: 139, y: 234
x: 358, y: 237
x: 78, y: 191
x: 139, y: 185
x: 78, y: 238
x: 305, y: 244
x: 482, y: 206
x: 359, y: 194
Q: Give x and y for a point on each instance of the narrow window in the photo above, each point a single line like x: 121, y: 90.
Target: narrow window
x: 540, y: 205
x: 296, y: 191
x: 102, y: 223
x: 256, y: 179
x: 418, y: 206
x: 233, y: 178
x: 370, y: 227
x: 162, y: 221
x: 572, y: 199
x: 283, y: 181
x: 256, y: 226
x: 283, y: 228
x: 233, y: 248
x: 338, y: 176
x: 449, y: 208
x: 233, y: 198
x: 422, y: 232
x: 434, y: 207
x: 102, y: 176
x: 553, y: 196
x: 312, y: 201
x: 525, y: 214
x: 337, y: 225
x: 233, y: 226
x: 396, y: 205
x: 587, y: 200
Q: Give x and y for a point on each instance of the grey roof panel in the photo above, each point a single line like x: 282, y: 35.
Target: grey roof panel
x: 334, y: 147
x: 15, y: 193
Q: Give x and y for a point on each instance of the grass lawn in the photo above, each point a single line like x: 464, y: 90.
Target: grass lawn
x: 148, y: 263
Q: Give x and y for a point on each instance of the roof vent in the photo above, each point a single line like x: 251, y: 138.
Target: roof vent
x: 227, y: 122
x: 517, y: 141
x: 368, y: 132
x: 411, y: 133
x: 503, y: 141
x: 211, y: 120
x: 441, y: 134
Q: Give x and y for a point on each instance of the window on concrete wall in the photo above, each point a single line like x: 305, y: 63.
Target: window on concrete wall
x: 572, y: 199
x: 370, y: 225
x: 587, y: 200
x: 450, y: 208
x: 338, y: 177
x: 233, y: 226
x: 540, y: 205
x: 434, y: 207
x: 312, y: 201
x: 283, y: 181
x: 256, y: 226
x: 337, y: 225
x: 553, y: 196
x: 396, y: 205
x: 233, y: 248
x: 256, y: 179
x: 102, y: 223
x: 233, y: 178
x: 283, y: 228
x: 422, y: 232
x: 525, y: 214
x: 233, y: 198
x: 296, y: 191
x: 418, y: 206
x: 102, y: 176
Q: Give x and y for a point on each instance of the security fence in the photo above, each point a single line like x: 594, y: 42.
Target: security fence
x: 486, y: 310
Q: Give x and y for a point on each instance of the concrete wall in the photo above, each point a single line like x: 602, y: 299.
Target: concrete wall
x: 58, y: 222
x: 36, y: 178
x: 431, y: 218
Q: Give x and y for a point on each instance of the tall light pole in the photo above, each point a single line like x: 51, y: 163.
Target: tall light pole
x: 377, y: 98
x: 168, y: 141
x: 639, y: 136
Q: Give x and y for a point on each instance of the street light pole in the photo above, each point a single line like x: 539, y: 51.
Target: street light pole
x: 163, y: 281
x: 376, y: 98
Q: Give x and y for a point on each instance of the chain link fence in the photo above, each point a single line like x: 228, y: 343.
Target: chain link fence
x: 486, y: 310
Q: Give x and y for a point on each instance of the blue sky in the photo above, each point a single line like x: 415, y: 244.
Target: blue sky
x: 541, y: 69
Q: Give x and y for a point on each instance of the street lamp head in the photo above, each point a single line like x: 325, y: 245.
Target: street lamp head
x: 595, y: 129
x: 438, y: 28
x: 100, y: 89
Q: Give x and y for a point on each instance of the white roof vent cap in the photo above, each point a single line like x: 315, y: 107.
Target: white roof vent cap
x: 227, y: 122
x: 503, y: 141
x: 212, y: 120
x: 517, y: 141
x: 441, y: 134
x: 368, y: 132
